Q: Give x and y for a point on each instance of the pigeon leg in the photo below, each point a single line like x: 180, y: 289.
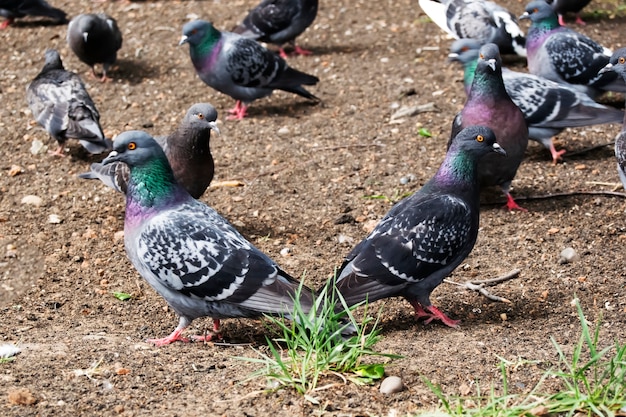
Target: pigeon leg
x: 208, y: 337
x: 58, y: 151
x: 512, y: 205
x: 282, y: 53
x: 238, y: 112
x: 561, y: 20
x: 299, y: 51
x: 6, y: 23
x: 579, y: 20
x: 556, y: 155
x: 176, y: 335
x: 433, y: 313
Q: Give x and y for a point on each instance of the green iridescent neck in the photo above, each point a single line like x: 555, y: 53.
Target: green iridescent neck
x: 458, y: 168
x: 151, y: 184
x: 211, y: 37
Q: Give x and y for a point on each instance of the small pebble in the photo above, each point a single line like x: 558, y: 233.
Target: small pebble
x: 37, y: 147
x: 32, y: 200
x: 568, y: 255
x: 285, y: 251
x: 54, y: 219
x: 391, y: 385
x: 283, y: 131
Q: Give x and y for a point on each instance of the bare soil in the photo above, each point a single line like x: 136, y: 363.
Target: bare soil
x: 308, y: 171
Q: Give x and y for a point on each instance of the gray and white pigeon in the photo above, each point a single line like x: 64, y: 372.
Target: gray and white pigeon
x: 548, y: 107
x: 482, y: 20
x: 188, y: 253
x: 95, y: 39
x: 488, y: 104
x: 424, y: 237
x: 561, y: 7
x: 279, y: 22
x: 563, y: 55
x: 240, y: 67
x: 12, y: 9
x: 617, y: 64
x: 187, y: 150
x: 60, y: 103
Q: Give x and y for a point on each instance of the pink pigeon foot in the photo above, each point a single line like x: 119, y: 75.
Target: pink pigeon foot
x: 580, y: 21
x: 209, y: 337
x: 296, y: 51
x: 433, y: 313
x: 556, y: 155
x: 561, y: 20
x: 512, y: 205
x: 57, y: 152
x: 5, y: 24
x: 175, y: 336
x: 238, y: 112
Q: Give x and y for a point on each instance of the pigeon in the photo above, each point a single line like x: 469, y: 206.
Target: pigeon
x: 563, y: 55
x: 12, y: 9
x: 424, y: 236
x: 482, y: 20
x: 188, y: 253
x: 548, y: 107
x: 489, y: 104
x: 279, y: 22
x: 617, y: 64
x: 563, y: 6
x: 240, y: 67
x: 187, y: 149
x: 60, y: 103
x: 95, y: 39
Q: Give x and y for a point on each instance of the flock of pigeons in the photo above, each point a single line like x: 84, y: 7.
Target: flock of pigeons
x: 203, y: 266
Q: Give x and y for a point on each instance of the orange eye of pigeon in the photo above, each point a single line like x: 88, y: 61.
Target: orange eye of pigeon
x: 482, y: 56
x: 480, y: 138
x: 132, y: 146
x: 200, y: 116
x: 621, y: 60
x: 535, y: 10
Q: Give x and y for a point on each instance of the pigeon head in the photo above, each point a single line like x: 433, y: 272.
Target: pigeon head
x: 617, y: 63
x: 136, y: 149
x: 489, y: 57
x: 199, y: 32
x: 476, y: 140
x: 201, y: 116
x: 52, y: 60
x: 464, y: 50
x: 540, y: 11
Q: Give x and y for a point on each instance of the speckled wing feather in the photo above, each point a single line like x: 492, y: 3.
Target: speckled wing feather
x: 414, y: 241
x: 251, y: 65
x: 195, y: 252
x: 576, y: 58
x: 113, y: 175
x: 270, y: 16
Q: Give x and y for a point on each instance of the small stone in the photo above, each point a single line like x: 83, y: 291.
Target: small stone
x: 32, y: 200
x: 37, y: 147
x: 285, y: 251
x: 283, y: 131
x: 118, y: 236
x: 391, y: 385
x: 21, y: 396
x: 54, y: 219
x: 503, y: 317
x: 568, y: 255
x: 15, y: 170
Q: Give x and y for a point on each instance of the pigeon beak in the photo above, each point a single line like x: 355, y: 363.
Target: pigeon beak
x: 492, y: 64
x: 498, y: 149
x: 524, y: 16
x: 213, y: 126
x: 183, y: 40
x: 607, y: 68
x: 453, y: 56
x: 111, y: 158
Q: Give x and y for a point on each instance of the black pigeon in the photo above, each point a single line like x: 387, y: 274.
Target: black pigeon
x: 566, y: 56
x: 191, y: 255
x: 95, y: 39
x: 279, y: 22
x: 187, y: 149
x: 425, y: 236
x: 12, y: 9
x: 561, y: 7
x: 60, y: 103
x: 488, y: 104
x: 617, y: 64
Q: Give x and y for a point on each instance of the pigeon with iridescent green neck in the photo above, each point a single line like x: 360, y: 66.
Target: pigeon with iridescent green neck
x: 548, y: 107
x: 187, y: 149
x: 563, y: 55
x: 617, y: 65
x: 488, y: 104
x: 188, y: 253
x: 424, y: 237
x: 240, y: 67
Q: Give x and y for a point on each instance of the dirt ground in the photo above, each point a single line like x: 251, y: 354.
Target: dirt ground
x: 308, y: 171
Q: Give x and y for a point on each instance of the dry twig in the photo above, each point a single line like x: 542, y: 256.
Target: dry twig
x: 480, y: 285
